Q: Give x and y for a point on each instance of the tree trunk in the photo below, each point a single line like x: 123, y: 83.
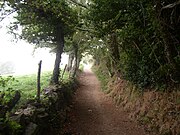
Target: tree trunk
x: 170, y: 52
x: 59, y: 51
x: 70, y: 61
x: 168, y: 28
x: 114, y: 49
x: 76, y: 61
x: 114, y: 53
x: 96, y: 57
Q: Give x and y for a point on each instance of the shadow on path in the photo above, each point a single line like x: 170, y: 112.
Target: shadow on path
x: 95, y: 114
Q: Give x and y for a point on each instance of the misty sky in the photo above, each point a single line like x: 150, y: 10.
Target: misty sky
x: 20, y: 53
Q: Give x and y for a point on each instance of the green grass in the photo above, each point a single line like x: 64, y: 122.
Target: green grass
x: 81, y: 67
x: 103, y: 77
x: 27, y: 84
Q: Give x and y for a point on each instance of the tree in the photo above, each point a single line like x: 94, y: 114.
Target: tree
x: 46, y: 23
x: 139, y: 43
x: 106, y: 18
x: 77, y: 43
x: 77, y: 46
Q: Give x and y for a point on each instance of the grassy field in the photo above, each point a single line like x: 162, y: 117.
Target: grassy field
x: 27, y: 84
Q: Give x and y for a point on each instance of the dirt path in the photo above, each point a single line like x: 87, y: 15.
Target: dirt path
x: 95, y: 114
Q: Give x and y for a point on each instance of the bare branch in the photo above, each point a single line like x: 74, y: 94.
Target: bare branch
x: 2, y: 18
x: 171, y: 5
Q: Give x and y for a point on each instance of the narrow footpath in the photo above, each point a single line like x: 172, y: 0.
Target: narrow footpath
x: 93, y: 113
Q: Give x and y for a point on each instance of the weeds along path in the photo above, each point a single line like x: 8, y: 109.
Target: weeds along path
x: 94, y: 113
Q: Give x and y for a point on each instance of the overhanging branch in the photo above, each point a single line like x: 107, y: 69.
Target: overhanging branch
x: 171, y: 5
x: 78, y: 3
x: 2, y: 18
x: 84, y: 29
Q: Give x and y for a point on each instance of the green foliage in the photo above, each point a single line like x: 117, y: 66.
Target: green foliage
x: 5, y: 82
x: 45, y: 23
x: 68, y: 87
x: 134, y: 60
x: 27, y: 85
x: 105, y: 15
x: 149, y: 55
x: 102, y: 75
x: 143, y: 46
x: 10, y: 127
x: 138, y: 38
x: 81, y: 67
x: 40, y: 18
x: 14, y: 127
x: 65, y: 77
x: 6, y: 89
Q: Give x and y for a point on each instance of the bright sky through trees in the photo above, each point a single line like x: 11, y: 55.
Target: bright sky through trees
x: 20, y: 53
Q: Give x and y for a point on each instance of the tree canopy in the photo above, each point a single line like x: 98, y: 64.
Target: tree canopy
x: 46, y: 23
x: 135, y: 38
x: 141, y: 38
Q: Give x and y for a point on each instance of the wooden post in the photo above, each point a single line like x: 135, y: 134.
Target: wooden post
x: 39, y: 81
x: 64, y: 71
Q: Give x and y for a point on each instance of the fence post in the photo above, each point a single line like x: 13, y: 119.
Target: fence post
x: 39, y: 81
x: 64, y: 71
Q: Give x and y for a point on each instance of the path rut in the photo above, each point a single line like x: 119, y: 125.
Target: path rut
x: 95, y: 114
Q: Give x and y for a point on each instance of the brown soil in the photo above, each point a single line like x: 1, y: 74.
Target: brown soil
x: 93, y: 113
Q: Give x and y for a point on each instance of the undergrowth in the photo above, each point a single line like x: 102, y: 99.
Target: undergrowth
x: 103, y: 77
x: 55, y: 104
x: 27, y: 84
x: 157, y: 111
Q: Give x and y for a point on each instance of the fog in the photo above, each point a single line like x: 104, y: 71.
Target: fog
x: 17, y: 58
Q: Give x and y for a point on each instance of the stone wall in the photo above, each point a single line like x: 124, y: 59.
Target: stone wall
x: 45, y: 117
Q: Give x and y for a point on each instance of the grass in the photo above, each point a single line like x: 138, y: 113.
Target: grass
x: 103, y: 77
x: 81, y: 67
x: 27, y: 84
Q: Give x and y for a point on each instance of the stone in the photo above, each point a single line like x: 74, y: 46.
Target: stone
x: 21, y: 119
x: 31, y: 129
x: 29, y: 110
x: 40, y: 110
x: 42, y: 119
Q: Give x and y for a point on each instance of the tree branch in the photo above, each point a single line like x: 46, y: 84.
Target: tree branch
x: 83, y: 29
x: 2, y: 18
x: 78, y: 3
x: 171, y: 5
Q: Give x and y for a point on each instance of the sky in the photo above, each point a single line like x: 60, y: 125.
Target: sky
x: 20, y: 53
